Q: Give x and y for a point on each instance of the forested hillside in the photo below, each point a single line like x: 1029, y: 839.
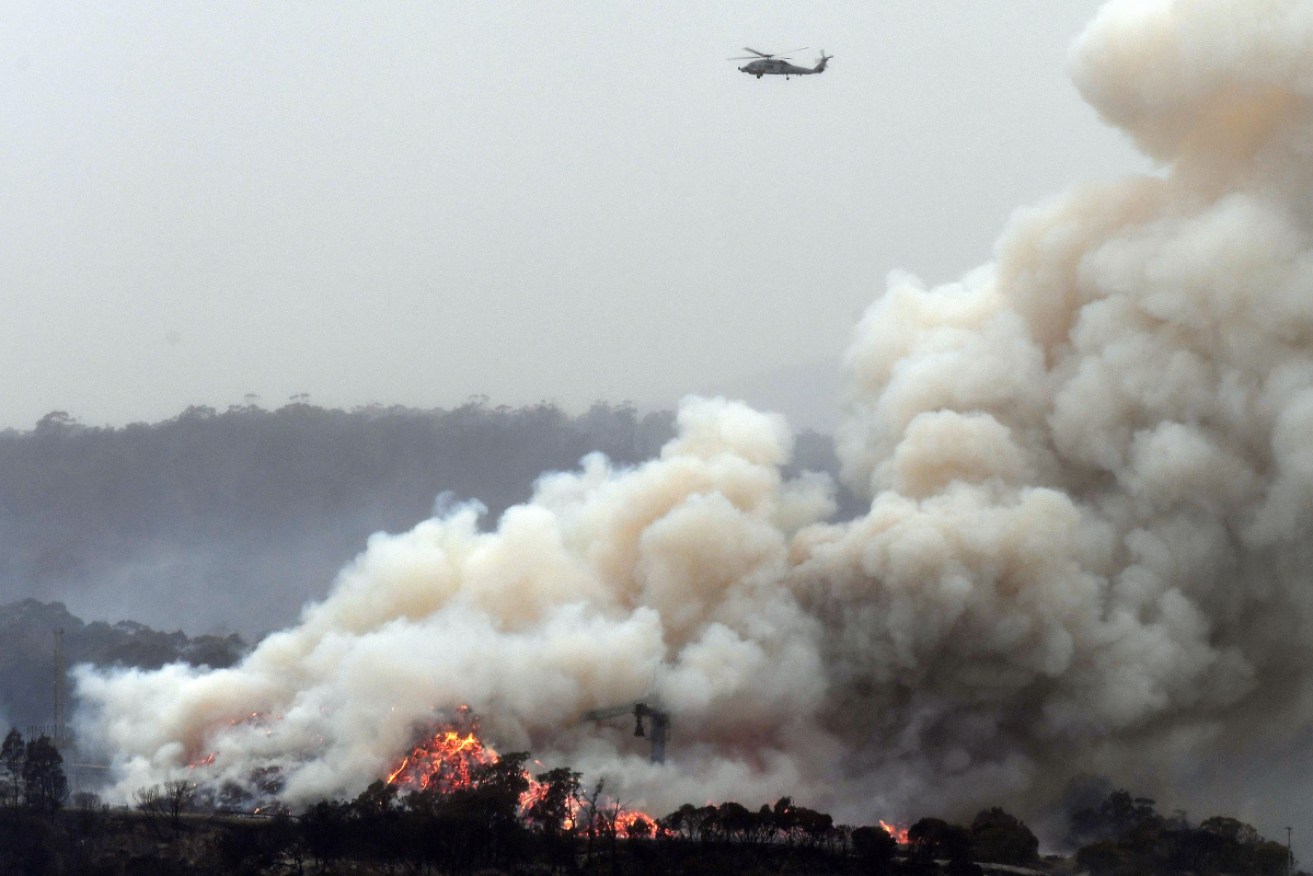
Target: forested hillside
x: 229, y: 521
x: 27, y: 654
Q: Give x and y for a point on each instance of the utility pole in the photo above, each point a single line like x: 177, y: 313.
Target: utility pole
x: 1290, y: 853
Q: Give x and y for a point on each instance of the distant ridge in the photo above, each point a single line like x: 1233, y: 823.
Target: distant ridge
x: 807, y: 393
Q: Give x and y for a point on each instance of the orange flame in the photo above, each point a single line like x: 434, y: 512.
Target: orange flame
x: 206, y: 761
x: 898, y: 833
x: 631, y: 822
x: 446, y: 762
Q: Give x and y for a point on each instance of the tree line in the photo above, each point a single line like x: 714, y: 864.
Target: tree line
x: 1125, y: 834
x: 232, y: 519
x: 26, y: 653
x: 565, y: 827
x: 31, y: 774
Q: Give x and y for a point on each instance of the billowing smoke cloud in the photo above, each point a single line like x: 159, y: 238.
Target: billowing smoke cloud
x: 1091, y: 483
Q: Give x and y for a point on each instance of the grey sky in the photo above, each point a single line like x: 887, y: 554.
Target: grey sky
x: 414, y: 203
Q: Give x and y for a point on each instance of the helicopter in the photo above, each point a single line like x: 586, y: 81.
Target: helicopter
x: 764, y: 64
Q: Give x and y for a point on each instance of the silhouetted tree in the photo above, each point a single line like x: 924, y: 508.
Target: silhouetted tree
x: 376, y: 815
x: 489, y: 809
x: 177, y: 795
x: 44, y: 784
x: 376, y: 801
x: 737, y: 822
x: 607, y: 819
x: 932, y: 839
x: 1000, y: 838
x: 874, y: 848
x: 149, y: 801
x: 1230, y: 845
x: 553, y: 811
x: 1115, y: 817
x: 323, y: 830
x: 1230, y: 829
x: 686, y: 822
x: 640, y: 828
x: 812, y: 827
x: 1139, y: 840
x: 784, y: 818
x: 13, y: 753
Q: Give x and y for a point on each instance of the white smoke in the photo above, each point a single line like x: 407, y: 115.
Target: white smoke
x: 1091, y: 476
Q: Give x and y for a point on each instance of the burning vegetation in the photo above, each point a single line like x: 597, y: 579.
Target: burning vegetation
x: 454, y: 805
x: 453, y: 760
x: 447, y: 762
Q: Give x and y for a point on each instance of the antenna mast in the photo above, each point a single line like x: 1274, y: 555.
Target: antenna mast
x: 61, y: 725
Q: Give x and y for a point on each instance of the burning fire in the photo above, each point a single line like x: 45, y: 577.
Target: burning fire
x: 447, y: 760
x: 898, y: 833
x: 203, y: 762
x: 444, y: 762
x: 631, y: 822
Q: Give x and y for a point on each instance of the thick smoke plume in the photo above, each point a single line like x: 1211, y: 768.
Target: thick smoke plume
x: 1091, y: 482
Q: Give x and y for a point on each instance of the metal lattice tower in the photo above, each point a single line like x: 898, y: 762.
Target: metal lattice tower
x: 61, y: 725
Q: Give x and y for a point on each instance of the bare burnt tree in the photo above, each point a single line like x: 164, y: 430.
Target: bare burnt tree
x: 149, y: 801
x: 177, y: 796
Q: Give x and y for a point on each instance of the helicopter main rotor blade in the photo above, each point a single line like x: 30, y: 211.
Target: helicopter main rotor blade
x: 757, y: 53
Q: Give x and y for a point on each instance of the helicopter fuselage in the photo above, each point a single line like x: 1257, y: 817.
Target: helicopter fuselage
x: 775, y: 67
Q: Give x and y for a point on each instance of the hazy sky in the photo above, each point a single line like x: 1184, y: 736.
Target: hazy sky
x: 415, y: 203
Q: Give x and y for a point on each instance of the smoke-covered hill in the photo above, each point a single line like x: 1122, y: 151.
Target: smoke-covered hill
x: 231, y: 521
x: 27, y: 653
